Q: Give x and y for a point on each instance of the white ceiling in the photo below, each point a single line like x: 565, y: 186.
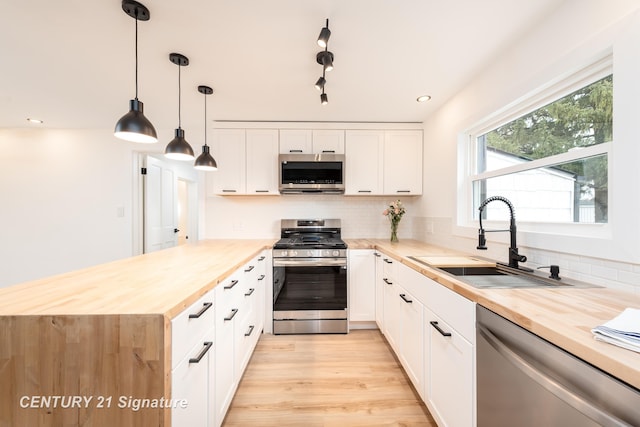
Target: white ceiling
x: 71, y: 62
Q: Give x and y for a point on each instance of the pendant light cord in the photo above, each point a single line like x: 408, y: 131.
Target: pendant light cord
x: 179, y: 97
x: 136, y: 54
x: 205, y: 119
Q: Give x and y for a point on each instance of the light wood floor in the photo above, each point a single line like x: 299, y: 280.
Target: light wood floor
x: 326, y: 380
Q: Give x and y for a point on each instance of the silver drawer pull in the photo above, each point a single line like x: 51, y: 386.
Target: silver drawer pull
x: 206, y: 306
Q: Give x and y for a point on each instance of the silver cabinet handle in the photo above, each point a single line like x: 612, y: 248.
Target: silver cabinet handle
x: 206, y: 306
x: 439, y: 329
x: 198, y: 358
x: 551, y: 385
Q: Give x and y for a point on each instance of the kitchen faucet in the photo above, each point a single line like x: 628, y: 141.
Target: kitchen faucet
x: 514, y: 257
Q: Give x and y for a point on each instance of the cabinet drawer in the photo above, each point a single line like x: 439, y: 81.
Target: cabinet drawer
x: 455, y: 309
x: 190, y: 326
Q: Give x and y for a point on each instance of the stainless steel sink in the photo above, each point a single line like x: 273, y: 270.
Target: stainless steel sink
x: 503, y: 277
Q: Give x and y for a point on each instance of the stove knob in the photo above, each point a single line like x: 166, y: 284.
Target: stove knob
x: 283, y: 253
x: 294, y: 253
x: 309, y: 254
x: 336, y: 253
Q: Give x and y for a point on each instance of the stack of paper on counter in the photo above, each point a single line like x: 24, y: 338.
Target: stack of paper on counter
x: 623, y: 330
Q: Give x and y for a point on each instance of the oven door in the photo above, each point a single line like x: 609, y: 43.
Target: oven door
x: 310, y: 295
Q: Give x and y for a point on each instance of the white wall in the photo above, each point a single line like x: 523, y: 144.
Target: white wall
x: 579, y: 32
x: 61, y: 195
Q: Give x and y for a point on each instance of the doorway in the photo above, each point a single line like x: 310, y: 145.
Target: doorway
x: 166, y: 212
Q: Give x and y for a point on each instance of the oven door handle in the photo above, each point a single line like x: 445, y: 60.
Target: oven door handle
x: 310, y: 262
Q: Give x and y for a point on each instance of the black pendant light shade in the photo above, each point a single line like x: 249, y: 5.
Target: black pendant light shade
x: 179, y: 148
x: 320, y: 83
x: 134, y: 126
x: 324, y: 100
x: 205, y: 161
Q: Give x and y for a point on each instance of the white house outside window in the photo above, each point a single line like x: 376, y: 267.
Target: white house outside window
x: 552, y: 161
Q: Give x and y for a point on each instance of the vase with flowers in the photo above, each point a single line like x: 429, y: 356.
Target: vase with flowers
x: 394, y: 212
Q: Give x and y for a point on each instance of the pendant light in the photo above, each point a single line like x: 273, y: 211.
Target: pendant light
x: 134, y: 126
x: 205, y: 162
x: 179, y: 148
x: 325, y: 33
x: 324, y: 58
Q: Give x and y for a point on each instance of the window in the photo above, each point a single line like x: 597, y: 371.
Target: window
x: 552, y: 161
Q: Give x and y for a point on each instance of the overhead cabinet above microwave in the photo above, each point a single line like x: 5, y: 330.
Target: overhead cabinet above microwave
x: 307, y: 141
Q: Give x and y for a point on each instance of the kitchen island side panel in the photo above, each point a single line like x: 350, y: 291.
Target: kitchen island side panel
x: 83, y: 370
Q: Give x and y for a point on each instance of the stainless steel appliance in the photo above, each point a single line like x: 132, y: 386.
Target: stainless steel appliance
x: 311, y: 173
x: 310, y: 278
x: 523, y: 380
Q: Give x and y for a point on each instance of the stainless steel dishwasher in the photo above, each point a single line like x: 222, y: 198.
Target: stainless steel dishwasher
x: 523, y: 380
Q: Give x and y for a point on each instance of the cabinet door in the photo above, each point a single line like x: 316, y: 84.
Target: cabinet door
x: 363, y: 157
x: 328, y: 141
x: 262, y: 161
x: 228, y: 149
x: 379, y: 291
x: 403, y: 163
x: 295, y: 141
x: 450, y: 374
x: 192, y: 381
x: 362, y: 281
x: 412, y: 341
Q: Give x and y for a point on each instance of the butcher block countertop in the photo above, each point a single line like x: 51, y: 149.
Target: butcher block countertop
x: 163, y: 282
x: 563, y: 316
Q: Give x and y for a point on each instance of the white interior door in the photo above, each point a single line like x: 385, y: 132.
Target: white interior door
x: 160, y: 206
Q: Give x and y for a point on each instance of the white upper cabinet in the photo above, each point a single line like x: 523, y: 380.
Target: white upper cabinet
x: 328, y: 141
x: 402, y: 169
x: 383, y: 162
x: 247, y: 162
x: 262, y: 161
x: 306, y: 141
x: 296, y: 141
x: 363, y: 156
x: 228, y: 149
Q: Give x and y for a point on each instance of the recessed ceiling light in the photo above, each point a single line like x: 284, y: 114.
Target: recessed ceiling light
x: 31, y: 120
x: 423, y: 98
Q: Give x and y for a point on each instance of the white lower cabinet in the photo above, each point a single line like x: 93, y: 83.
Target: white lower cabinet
x: 450, y: 373
x: 362, y: 282
x: 379, y: 289
x: 193, y: 373
x: 238, y: 325
x: 432, y: 331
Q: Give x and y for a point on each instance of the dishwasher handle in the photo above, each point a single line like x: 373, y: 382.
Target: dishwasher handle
x: 553, y: 386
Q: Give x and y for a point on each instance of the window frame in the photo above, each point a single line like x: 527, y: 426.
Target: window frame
x: 535, y: 233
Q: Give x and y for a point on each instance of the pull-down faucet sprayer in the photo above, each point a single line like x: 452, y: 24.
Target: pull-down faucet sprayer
x: 514, y: 257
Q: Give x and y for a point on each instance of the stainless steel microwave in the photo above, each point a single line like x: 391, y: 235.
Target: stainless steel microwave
x: 311, y: 173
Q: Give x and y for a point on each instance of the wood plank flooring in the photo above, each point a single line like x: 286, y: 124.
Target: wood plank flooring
x: 326, y: 381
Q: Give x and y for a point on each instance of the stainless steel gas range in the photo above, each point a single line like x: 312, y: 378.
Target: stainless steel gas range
x: 310, y: 278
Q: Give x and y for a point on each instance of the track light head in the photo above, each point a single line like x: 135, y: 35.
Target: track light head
x: 323, y: 99
x: 320, y: 83
x: 325, y: 58
x: 325, y: 33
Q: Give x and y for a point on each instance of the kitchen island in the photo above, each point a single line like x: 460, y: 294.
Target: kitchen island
x: 104, y: 333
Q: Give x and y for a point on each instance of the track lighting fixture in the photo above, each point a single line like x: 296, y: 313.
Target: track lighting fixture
x: 205, y: 161
x: 324, y: 58
x: 134, y: 126
x: 325, y: 33
x: 179, y: 148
